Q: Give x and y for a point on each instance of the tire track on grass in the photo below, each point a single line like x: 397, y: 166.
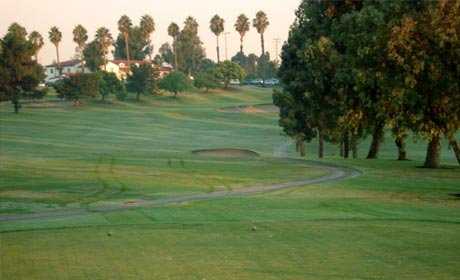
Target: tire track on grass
x: 335, y: 173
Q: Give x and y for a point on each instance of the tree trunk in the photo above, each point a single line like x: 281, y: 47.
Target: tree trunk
x: 58, y: 61
x: 354, y: 146
x: 342, y: 149
x: 16, y: 106
x: 176, y: 66
x: 127, y: 51
x: 262, y: 42
x: 456, y: 147
x: 346, y: 144
x: 303, y: 153
x: 433, y: 153
x: 218, y: 50
x: 82, y: 60
x: 241, y: 45
x: 400, y: 143
x: 320, y: 144
x: 377, y: 138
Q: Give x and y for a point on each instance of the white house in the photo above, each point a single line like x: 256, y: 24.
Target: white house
x: 111, y: 67
x: 118, y: 67
x: 68, y: 68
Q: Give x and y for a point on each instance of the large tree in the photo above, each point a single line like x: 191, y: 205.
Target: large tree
x: 139, y: 46
x: 425, y: 47
x: 105, y: 41
x: 94, y: 55
x: 37, y: 41
x: 166, y: 53
x: 242, y: 26
x: 124, y: 26
x: 19, y: 73
x: 227, y: 71
x: 217, y: 27
x: 147, y: 27
x: 80, y: 36
x: 174, y: 32
x: 261, y: 24
x: 55, y: 37
x: 175, y: 82
x: 142, y: 80
x: 190, y: 51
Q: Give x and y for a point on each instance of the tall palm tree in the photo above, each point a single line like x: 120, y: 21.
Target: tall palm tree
x: 217, y: 27
x: 37, y: 41
x: 148, y: 27
x: 105, y: 41
x: 174, y: 31
x: 80, y: 36
x: 124, y: 26
x: 55, y: 37
x: 242, y: 26
x: 261, y: 23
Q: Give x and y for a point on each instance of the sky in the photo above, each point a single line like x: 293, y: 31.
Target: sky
x: 65, y: 14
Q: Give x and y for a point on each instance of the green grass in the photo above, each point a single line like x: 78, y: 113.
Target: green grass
x: 396, y: 221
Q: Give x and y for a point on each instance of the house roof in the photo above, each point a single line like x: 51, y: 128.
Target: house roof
x: 122, y: 61
x: 68, y: 63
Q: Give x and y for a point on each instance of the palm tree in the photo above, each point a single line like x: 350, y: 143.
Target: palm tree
x: 242, y: 26
x: 147, y: 28
x: 261, y: 23
x: 173, y: 31
x: 124, y: 25
x: 37, y: 41
x: 80, y: 36
x: 55, y: 37
x: 217, y: 27
x: 105, y: 40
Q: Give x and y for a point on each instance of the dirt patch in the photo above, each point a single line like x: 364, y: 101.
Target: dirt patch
x: 226, y: 153
x: 251, y: 109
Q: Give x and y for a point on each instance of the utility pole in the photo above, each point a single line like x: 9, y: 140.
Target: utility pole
x: 277, y: 41
x: 226, y: 45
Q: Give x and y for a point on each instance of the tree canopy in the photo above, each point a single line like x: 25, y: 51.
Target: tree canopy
x: 175, y: 82
x: 355, y: 67
x: 19, y: 73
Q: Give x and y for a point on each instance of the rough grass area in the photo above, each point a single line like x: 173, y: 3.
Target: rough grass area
x: 251, y: 109
x: 396, y: 221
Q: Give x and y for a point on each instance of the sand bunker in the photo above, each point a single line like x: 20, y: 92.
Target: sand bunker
x: 252, y: 109
x: 226, y: 153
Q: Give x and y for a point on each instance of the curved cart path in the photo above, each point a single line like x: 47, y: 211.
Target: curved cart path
x: 335, y: 173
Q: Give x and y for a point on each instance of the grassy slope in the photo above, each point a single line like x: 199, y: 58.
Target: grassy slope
x: 395, y: 222
x: 64, y: 155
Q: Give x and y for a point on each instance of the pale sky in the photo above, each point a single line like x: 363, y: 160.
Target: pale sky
x: 40, y: 15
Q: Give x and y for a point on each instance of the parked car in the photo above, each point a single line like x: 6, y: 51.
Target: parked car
x: 272, y: 82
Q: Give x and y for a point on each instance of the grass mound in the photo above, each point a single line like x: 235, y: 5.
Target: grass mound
x: 226, y: 153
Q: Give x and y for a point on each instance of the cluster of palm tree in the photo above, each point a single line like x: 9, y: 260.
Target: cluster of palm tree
x: 242, y: 26
x: 105, y: 40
